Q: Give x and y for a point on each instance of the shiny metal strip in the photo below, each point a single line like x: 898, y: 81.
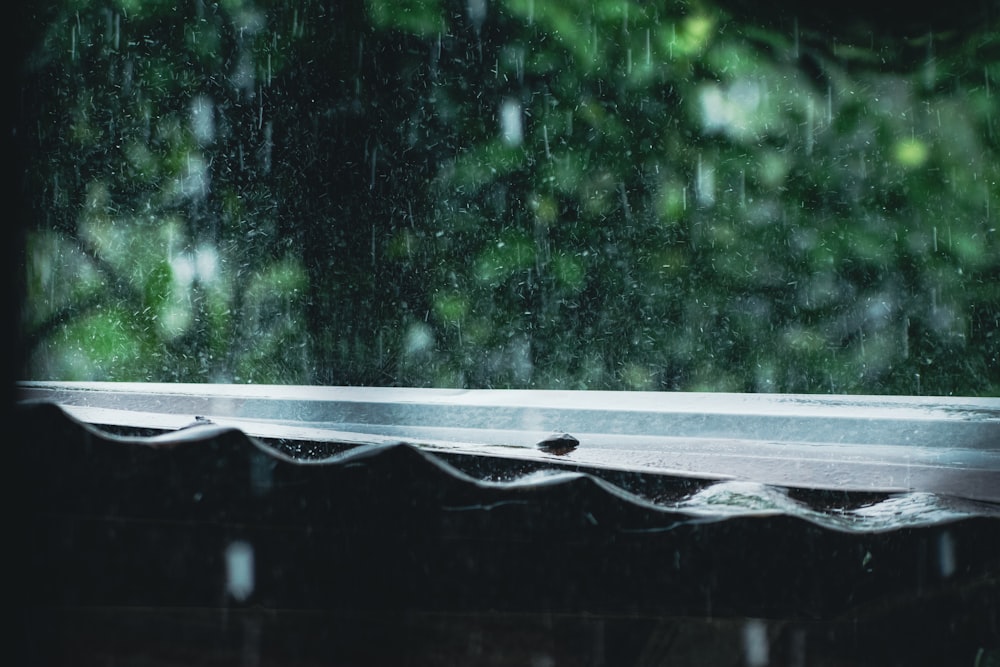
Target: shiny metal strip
x: 935, y: 444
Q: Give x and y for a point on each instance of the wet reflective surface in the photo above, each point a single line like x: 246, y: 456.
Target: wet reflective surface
x: 943, y: 445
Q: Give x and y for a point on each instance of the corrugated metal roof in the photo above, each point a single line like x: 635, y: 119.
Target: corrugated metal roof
x: 209, y: 546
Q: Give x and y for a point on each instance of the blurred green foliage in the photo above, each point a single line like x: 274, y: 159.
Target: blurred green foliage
x: 592, y: 194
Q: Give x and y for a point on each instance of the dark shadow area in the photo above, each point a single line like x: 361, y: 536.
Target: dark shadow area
x: 218, y: 550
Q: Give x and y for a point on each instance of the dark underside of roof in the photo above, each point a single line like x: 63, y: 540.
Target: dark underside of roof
x: 390, y: 555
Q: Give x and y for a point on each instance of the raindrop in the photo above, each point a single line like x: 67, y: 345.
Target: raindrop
x: 477, y: 13
x: 261, y: 475
x: 243, y: 76
x: 810, y: 128
x: 542, y: 660
x: 510, y: 123
x: 946, y: 554
x: 795, y: 37
x: 202, y: 121
x: 755, y: 648
x: 183, y: 271
x: 625, y: 205
x: 268, y: 146
x: 419, y: 339
x: 260, y: 112
x: 905, y: 335
x: 705, y: 183
x: 206, y: 263
x: 930, y: 68
x: 239, y: 570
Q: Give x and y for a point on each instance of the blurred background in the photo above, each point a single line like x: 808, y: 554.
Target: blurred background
x: 590, y: 194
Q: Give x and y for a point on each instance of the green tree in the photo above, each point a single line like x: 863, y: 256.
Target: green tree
x: 588, y: 194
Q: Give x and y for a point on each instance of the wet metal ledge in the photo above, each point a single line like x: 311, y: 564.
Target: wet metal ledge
x: 873, y: 443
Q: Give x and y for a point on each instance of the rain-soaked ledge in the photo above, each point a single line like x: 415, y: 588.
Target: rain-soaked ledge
x: 887, y: 444
x: 149, y: 527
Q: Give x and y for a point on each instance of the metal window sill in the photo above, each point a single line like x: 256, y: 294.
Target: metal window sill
x: 942, y: 445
